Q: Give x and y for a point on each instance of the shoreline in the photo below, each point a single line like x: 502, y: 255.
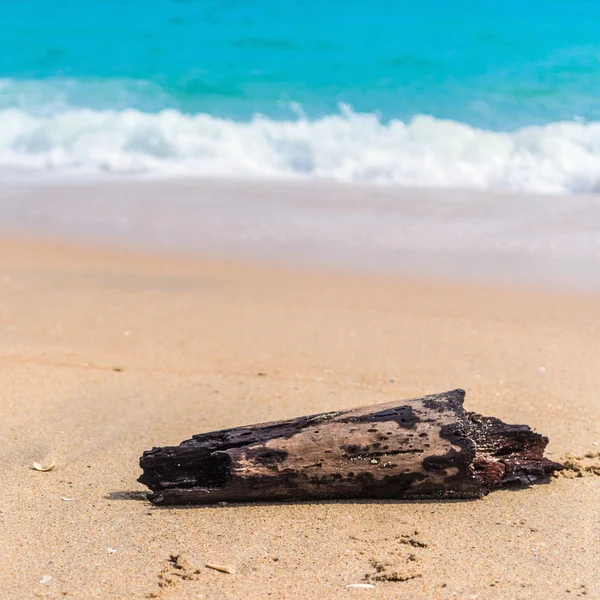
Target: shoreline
x: 106, y: 354
x: 488, y: 237
x: 28, y: 246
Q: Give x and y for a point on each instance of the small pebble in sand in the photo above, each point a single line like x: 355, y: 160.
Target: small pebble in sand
x: 66, y: 499
x: 542, y: 369
x: 39, y: 467
x: 360, y: 586
x: 221, y: 568
x: 111, y: 550
x: 46, y: 579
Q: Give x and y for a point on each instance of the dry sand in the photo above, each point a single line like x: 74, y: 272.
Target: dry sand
x: 105, y: 355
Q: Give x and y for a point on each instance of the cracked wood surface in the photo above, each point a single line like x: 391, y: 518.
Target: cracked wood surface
x: 428, y: 447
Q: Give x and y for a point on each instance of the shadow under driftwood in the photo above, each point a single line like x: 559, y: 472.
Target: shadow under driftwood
x: 124, y: 495
x: 127, y: 495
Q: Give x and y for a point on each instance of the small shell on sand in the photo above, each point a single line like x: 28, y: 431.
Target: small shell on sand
x: 221, y: 568
x: 39, y: 467
x: 46, y: 579
x: 360, y: 586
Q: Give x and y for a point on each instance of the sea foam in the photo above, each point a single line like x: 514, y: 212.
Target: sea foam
x: 559, y: 157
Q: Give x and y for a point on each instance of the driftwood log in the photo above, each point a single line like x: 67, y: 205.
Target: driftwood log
x: 423, y: 448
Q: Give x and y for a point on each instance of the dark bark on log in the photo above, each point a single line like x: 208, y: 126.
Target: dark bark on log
x: 415, y: 449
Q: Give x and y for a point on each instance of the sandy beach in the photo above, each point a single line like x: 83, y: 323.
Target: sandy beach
x: 105, y: 354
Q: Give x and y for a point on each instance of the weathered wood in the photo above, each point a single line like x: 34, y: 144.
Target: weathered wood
x: 423, y: 448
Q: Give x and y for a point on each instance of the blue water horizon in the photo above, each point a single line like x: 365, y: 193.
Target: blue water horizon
x: 485, y: 66
x: 495, y: 65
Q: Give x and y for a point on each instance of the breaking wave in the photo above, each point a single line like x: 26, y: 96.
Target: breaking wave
x: 351, y: 147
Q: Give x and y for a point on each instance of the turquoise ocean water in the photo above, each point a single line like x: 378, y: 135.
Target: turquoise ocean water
x: 482, y: 94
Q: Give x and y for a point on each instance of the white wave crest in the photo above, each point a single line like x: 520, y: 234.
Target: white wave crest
x: 559, y: 157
